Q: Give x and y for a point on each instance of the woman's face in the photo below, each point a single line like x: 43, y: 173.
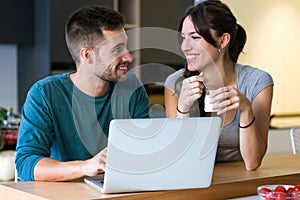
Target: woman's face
x: 198, y: 52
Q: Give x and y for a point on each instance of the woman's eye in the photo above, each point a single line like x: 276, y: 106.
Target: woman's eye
x: 196, y: 37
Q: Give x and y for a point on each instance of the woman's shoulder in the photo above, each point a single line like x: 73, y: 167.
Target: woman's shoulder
x: 251, y: 72
x: 251, y: 80
x: 172, y: 78
x: 175, y: 75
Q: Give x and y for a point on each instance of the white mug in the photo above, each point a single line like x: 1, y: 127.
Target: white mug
x: 208, y: 107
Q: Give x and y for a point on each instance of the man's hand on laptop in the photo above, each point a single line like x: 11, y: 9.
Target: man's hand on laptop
x: 95, y: 165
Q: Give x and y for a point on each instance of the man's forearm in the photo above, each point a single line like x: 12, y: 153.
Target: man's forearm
x: 48, y: 169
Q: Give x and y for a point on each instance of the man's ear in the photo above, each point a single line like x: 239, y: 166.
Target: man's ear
x: 86, y: 54
x: 224, y: 40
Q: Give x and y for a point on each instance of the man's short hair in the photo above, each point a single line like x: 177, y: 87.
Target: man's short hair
x: 85, y: 25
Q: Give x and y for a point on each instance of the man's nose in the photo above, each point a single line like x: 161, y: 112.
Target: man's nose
x: 127, y: 57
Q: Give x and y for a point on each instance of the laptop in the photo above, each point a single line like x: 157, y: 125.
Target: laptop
x: 159, y: 154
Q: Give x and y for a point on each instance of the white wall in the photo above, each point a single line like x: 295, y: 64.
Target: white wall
x: 273, y: 30
x: 8, y: 76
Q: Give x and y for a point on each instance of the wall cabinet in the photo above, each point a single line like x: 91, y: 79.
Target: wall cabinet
x: 16, y: 21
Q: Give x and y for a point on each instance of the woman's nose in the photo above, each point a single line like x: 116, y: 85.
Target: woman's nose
x: 185, y: 45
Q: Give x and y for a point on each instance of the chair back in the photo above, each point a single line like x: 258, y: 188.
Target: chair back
x: 295, y: 139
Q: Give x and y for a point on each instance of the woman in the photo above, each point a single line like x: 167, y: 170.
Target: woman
x: 211, y: 42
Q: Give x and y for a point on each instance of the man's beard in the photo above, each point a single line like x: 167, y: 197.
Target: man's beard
x: 111, y: 75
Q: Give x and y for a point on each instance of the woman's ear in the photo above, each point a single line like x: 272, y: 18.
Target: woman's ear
x: 86, y: 54
x: 224, y: 40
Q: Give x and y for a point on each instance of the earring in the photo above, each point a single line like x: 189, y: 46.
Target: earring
x: 220, y: 50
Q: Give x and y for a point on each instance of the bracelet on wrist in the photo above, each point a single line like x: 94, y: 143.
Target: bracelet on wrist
x: 181, y: 112
x: 248, y: 124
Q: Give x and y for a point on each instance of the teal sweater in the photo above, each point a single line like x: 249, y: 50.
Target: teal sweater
x: 61, y: 122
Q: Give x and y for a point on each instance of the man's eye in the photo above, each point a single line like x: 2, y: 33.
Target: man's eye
x: 118, y: 50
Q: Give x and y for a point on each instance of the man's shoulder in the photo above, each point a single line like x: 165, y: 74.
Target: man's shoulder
x: 132, y: 76
x: 131, y: 80
x: 50, y: 83
x: 131, y: 84
x: 52, y: 79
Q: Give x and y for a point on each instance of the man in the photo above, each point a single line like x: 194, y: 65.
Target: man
x: 65, y: 118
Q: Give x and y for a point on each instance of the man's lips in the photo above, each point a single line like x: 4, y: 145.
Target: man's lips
x: 123, y: 67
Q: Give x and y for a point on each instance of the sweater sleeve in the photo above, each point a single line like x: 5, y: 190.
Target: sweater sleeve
x: 35, y: 134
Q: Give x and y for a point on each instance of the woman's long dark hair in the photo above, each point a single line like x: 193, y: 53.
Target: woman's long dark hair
x: 213, y: 14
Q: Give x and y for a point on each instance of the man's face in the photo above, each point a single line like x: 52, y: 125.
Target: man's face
x: 112, y: 57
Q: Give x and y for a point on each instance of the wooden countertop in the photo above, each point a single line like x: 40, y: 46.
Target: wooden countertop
x: 230, y: 180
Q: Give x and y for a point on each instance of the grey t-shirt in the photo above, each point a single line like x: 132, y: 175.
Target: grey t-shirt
x: 250, y: 81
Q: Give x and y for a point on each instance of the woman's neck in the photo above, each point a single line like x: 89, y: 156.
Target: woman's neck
x: 220, y: 75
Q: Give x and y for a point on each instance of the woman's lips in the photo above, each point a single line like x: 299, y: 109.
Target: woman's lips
x: 190, y: 58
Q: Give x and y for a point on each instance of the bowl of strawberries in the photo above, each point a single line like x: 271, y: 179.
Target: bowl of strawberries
x: 279, y: 192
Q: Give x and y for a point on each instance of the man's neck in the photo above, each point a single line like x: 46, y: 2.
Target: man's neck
x: 92, y: 86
